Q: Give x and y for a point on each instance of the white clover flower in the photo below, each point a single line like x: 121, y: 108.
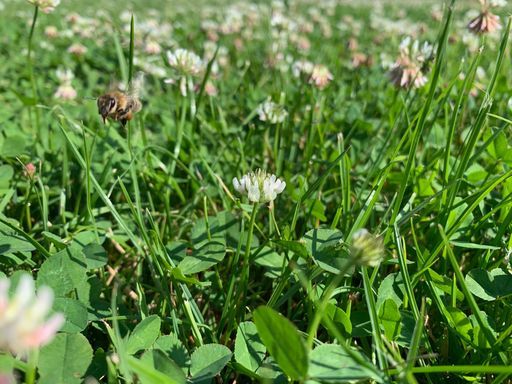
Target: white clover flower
x: 46, y: 6
x: 409, y: 70
x: 64, y: 75
x: 302, y: 67
x: 498, y: 3
x: 23, y: 317
x: 259, y: 186
x: 185, y: 62
x: 366, y: 249
x: 271, y: 112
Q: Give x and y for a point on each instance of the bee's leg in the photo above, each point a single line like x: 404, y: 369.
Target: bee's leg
x: 124, y: 116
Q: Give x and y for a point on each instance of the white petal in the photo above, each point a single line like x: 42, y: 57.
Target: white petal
x: 280, y: 186
x: 237, y: 185
x: 253, y: 193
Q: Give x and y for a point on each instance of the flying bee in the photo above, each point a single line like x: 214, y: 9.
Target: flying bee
x: 121, y: 105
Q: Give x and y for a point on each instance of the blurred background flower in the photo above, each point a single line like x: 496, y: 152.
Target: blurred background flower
x: 25, y: 323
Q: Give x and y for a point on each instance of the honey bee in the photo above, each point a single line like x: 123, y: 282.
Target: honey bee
x: 119, y: 105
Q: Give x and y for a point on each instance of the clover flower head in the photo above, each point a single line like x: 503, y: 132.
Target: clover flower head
x: 51, y: 31
x: 271, y: 112
x: 259, y: 186
x: 321, y: 76
x: 486, y: 22
x: 152, y: 47
x: 493, y: 3
x: 185, y: 62
x: 46, y: 6
x: 65, y: 91
x: 301, y: 67
x: 7, y: 378
x: 366, y: 248
x: 64, y: 75
x: 410, y: 69
x: 24, y: 322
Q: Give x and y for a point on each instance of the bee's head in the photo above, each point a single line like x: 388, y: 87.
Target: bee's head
x: 106, y: 105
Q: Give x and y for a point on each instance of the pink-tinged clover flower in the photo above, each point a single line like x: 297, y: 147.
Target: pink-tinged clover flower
x: 24, y: 321
x: 46, y: 6
x: 486, y: 21
x: 321, y: 76
x: 259, y: 186
x: 65, y: 91
x: 412, y: 64
x: 7, y: 378
x: 77, y: 49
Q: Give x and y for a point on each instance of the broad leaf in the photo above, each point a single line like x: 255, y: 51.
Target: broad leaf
x: 283, y: 342
x: 65, y: 359
x: 148, y: 373
x: 208, y: 360
x: 461, y: 323
x: 157, y: 361
x: 489, y: 285
x: 249, y: 350
x: 173, y: 347
x: 390, y: 319
x: 331, y: 364
x: 325, y: 246
x: 208, y: 255
x: 144, y: 334
x: 75, y: 313
x: 63, y: 271
x: 96, y: 256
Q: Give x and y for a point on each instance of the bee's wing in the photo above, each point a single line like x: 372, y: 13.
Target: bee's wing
x: 136, y: 104
x: 136, y: 87
x: 116, y: 86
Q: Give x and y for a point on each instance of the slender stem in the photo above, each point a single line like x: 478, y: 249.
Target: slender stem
x: 30, y: 373
x: 31, y: 68
x: 31, y: 34
x: 245, y: 273
x: 245, y: 267
x: 179, y: 136
x: 370, y: 301
x: 322, y: 305
x: 273, y: 220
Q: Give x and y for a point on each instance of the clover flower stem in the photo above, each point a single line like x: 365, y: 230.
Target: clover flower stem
x: 278, y: 149
x: 245, y: 267
x: 322, y: 304
x: 370, y: 301
x: 206, y: 221
x: 179, y: 135
x: 30, y: 373
x: 31, y: 68
x: 32, y: 27
x: 25, y: 212
x: 273, y: 220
